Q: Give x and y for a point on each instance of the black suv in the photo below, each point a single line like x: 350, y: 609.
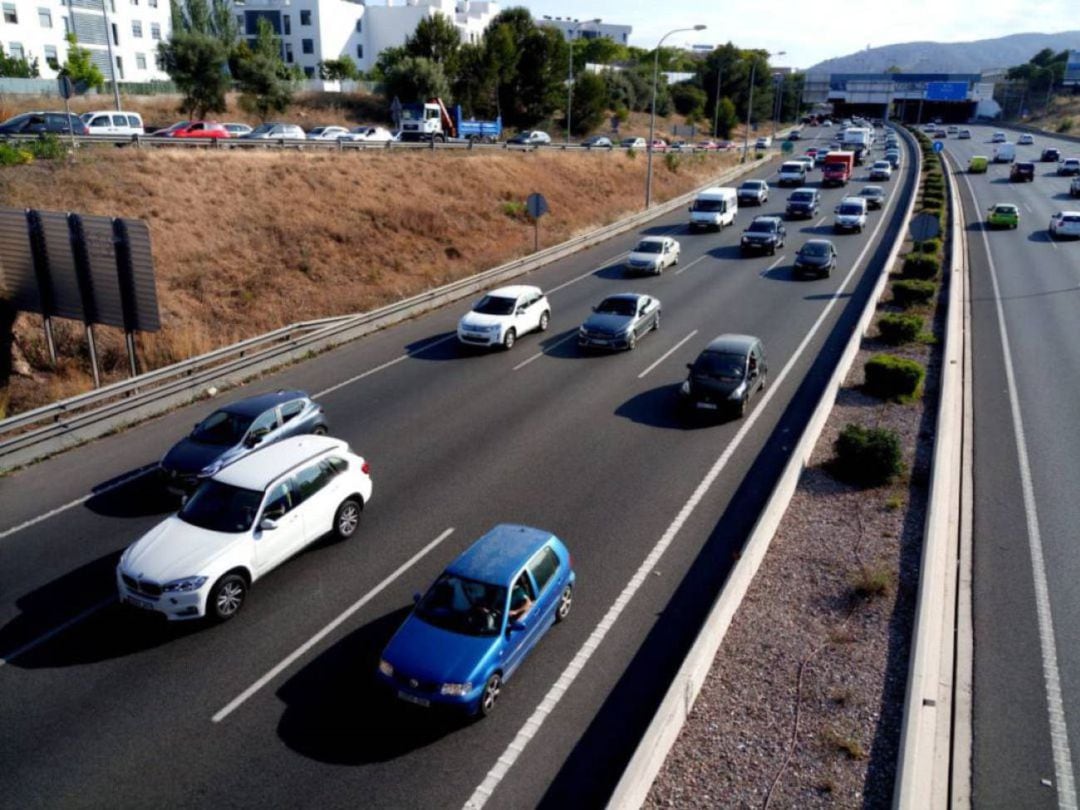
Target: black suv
x: 817, y: 257
x: 41, y: 123
x: 803, y: 203
x: 1022, y: 172
x: 1050, y: 155
x: 765, y: 234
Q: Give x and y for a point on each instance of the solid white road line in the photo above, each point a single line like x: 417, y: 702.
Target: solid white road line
x: 686, y: 267
x: 771, y: 267
x: 127, y: 479
x: 517, y: 746
x: 667, y: 354
x: 538, y: 355
x: 1059, y: 735
x: 290, y: 659
x: 28, y: 646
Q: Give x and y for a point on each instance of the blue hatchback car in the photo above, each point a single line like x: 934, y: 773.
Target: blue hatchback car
x: 479, y: 620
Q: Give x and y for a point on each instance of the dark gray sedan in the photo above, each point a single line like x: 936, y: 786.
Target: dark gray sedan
x: 619, y: 321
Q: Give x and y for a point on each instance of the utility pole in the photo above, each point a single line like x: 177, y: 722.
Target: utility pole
x: 716, y: 106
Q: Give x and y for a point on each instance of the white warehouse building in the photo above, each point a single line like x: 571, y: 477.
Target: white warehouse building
x: 36, y: 29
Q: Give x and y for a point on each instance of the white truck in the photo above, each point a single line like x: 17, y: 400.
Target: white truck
x: 858, y: 137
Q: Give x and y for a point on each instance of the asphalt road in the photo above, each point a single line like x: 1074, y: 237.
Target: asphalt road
x: 1023, y: 603
x: 104, y: 706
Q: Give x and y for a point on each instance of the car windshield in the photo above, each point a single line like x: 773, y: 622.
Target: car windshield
x: 1005, y: 209
x: 802, y: 196
x: 751, y: 185
x: 495, y: 305
x: 1070, y: 218
x: 708, y: 205
x: 871, y: 191
x: 761, y: 226
x: 881, y: 164
x: 618, y: 306
x: 263, y: 129
x: 720, y: 365
x: 222, y: 428
x: 815, y: 249
x: 649, y: 247
x: 463, y: 606
x: 850, y: 210
x: 221, y: 507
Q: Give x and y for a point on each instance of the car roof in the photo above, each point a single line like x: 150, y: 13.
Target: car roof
x: 754, y: 183
x: 253, y: 406
x: 498, y: 555
x: 715, y: 190
x: 258, y: 469
x: 513, y: 291
x: 731, y: 343
x: 809, y: 242
x: 874, y: 189
x: 653, y: 239
x: 629, y: 296
x: 855, y: 200
x: 766, y: 218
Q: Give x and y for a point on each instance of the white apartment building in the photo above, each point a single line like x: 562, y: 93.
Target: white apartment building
x: 313, y: 31
x: 587, y: 29
x: 37, y: 29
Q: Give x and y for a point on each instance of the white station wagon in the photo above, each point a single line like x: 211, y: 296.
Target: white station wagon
x: 242, y: 523
x: 504, y: 315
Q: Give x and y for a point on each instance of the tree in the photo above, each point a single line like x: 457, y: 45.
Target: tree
x: 78, y: 67
x: 197, y: 63
x: 688, y: 100
x: 474, y: 86
x: 337, y: 70
x: 436, y: 38
x: 599, y: 51
x: 589, y: 103
x: 263, y: 79
x: 18, y: 68
x: 387, y: 61
x: 726, y: 119
x: 416, y: 78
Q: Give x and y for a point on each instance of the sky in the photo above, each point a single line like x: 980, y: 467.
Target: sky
x: 782, y: 25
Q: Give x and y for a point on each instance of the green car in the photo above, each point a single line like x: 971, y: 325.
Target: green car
x: 1003, y: 215
x: 978, y: 164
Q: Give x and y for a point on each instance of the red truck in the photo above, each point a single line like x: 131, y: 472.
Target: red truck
x: 838, y: 168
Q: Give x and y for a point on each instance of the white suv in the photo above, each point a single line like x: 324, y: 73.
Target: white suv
x: 504, y: 315
x: 243, y: 522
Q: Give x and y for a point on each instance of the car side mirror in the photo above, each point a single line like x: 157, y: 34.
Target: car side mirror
x: 267, y: 524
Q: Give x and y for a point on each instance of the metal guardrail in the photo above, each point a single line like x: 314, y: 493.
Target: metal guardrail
x: 44, y: 431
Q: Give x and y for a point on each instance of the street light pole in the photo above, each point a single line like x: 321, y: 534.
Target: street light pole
x: 652, y: 112
x: 570, y: 74
x: 749, y: 112
x: 716, y: 105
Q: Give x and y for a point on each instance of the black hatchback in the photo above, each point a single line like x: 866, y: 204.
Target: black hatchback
x: 1022, y: 172
x: 44, y: 123
x: 1050, y: 155
x: 723, y: 378
x: 803, y: 203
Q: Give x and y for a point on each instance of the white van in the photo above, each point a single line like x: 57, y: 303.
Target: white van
x: 113, y: 122
x: 792, y: 172
x: 1005, y: 153
x: 714, y: 208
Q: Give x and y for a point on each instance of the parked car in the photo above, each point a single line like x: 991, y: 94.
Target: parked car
x: 764, y: 235
x: 1022, y: 172
x: 978, y: 164
x: 724, y: 377
x: 272, y: 130
x: 1065, y: 223
x: 632, y: 143
x: 44, y: 123
x: 597, y: 141
x: 653, y: 254
x: 369, y: 134
x: 619, y: 321
x: 482, y: 616
x: 243, y: 522
x: 504, y: 315
x: 1050, y: 156
x: 1003, y: 215
x: 1068, y: 167
x: 1025, y: 139
x: 803, y: 203
x: 850, y: 215
x: 113, y: 122
x: 236, y: 130
x: 881, y: 170
x: 817, y: 257
x: 530, y: 137
x: 331, y: 133
x: 234, y: 431
x: 753, y: 191
x: 193, y: 129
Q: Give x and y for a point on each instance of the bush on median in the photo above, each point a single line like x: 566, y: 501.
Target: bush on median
x: 896, y: 329
x: 912, y: 292
x: 920, y: 265
x: 893, y: 378
x: 867, y: 456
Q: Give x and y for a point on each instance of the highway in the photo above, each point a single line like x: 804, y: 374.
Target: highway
x: 1026, y: 371
x: 278, y: 707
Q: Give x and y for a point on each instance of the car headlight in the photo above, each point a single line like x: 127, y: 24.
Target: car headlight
x: 456, y: 689
x: 386, y: 668
x: 685, y: 389
x: 745, y: 240
x: 210, y: 469
x: 185, y: 585
x: 738, y: 392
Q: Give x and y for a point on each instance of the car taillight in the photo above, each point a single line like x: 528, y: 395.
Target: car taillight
x: 365, y: 468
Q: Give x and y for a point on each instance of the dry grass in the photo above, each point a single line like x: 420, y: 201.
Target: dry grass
x: 247, y: 242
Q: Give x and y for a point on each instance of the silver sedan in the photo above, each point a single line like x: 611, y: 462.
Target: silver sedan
x: 619, y: 321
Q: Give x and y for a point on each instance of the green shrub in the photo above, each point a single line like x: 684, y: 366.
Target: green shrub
x: 934, y: 198
x: 891, y: 377
x: 49, y: 147
x: 897, y: 329
x: 867, y: 456
x: 931, y: 246
x: 14, y: 155
x: 671, y: 160
x: 933, y: 188
x: 1065, y: 125
x: 515, y: 209
x: 912, y: 292
x: 920, y: 265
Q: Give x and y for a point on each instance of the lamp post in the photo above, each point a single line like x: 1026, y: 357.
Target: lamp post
x: 778, y: 82
x: 750, y: 103
x: 652, y: 113
x: 716, y: 105
x: 570, y: 74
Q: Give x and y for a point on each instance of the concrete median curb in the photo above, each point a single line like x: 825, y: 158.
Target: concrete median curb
x: 633, y: 787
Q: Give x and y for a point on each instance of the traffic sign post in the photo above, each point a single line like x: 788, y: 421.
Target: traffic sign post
x: 938, y: 146
x: 537, y: 206
x: 924, y: 226
x: 787, y: 147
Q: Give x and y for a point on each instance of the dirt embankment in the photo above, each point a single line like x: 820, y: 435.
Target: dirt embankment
x: 247, y: 242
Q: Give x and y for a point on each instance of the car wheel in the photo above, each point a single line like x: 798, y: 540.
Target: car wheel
x: 772, y: 250
x: 490, y: 696
x: 545, y: 318
x: 347, y: 518
x: 631, y: 341
x: 742, y: 406
x: 764, y: 379
x: 509, y: 338
x: 656, y: 321
x: 226, y: 597
x: 566, y: 601
x: 320, y: 430
x: 676, y: 259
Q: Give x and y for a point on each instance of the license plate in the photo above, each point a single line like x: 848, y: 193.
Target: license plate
x: 708, y: 406
x: 139, y: 603
x: 413, y: 699
x: 598, y: 342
